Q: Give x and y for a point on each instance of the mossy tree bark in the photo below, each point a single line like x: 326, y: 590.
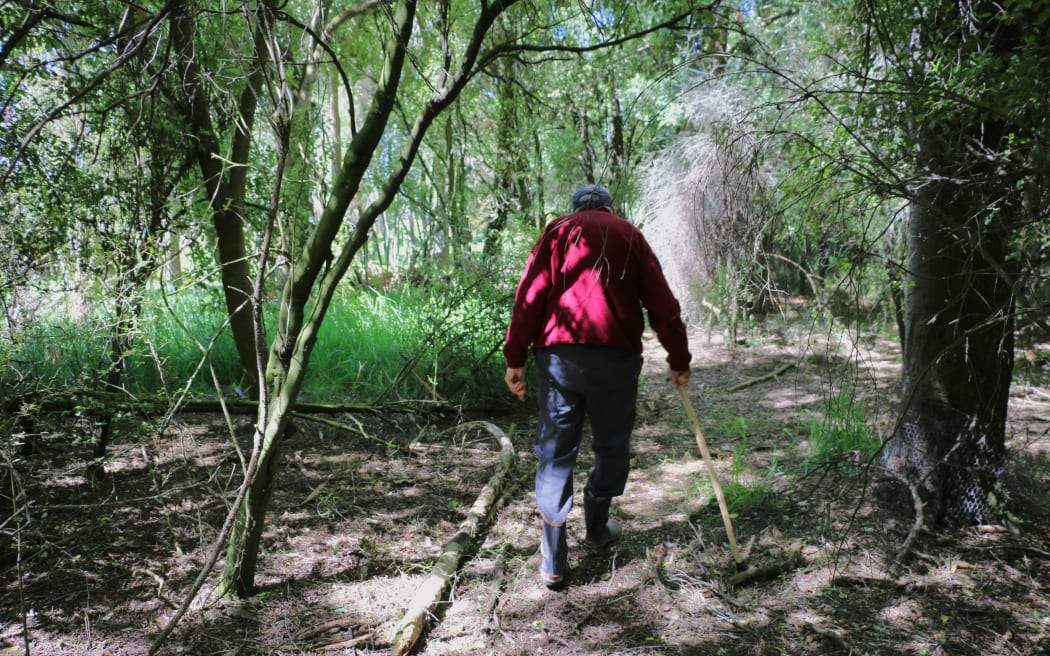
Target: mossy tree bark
x: 316, y: 274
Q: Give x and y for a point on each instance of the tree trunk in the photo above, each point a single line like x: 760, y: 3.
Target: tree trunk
x: 226, y: 187
x: 242, y: 552
x: 959, y: 321
x: 507, y: 161
x: 958, y: 357
x: 291, y: 349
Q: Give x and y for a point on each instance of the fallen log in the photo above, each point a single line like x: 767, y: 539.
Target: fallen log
x: 93, y: 401
x: 433, y: 590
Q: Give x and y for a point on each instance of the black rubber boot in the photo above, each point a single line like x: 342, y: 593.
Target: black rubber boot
x: 554, y: 555
x: 601, y: 531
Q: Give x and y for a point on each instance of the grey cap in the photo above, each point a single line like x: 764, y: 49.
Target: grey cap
x: 591, y: 195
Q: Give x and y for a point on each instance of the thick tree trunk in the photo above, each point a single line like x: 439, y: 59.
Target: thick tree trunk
x: 958, y: 359
x: 959, y: 321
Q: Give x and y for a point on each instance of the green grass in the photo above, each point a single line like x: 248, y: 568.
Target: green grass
x: 844, y: 428
x: 744, y: 490
x: 439, y: 343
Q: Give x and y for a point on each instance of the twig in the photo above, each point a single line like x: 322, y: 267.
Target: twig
x: 86, y: 400
x: 359, y: 429
x: 316, y: 630
x: 491, y: 613
x: 343, y: 644
x: 428, y: 387
x: 1032, y: 551
x: 17, y: 496
x: 830, y: 635
x: 920, y: 518
x: 848, y: 581
x: 764, y: 377
x: 433, y: 589
x: 213, y: 557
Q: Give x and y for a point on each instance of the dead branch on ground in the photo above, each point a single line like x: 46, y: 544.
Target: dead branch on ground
x: 433, y: 589
x: 793, y: 561
x: 763, y: 378
x: 89, y: 401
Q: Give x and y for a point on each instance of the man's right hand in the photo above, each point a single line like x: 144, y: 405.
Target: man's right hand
x: 515, y: 380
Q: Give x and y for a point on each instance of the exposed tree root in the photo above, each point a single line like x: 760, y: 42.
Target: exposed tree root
x: 831, y: 635
x: 433, y: 589
x: 917, y: 526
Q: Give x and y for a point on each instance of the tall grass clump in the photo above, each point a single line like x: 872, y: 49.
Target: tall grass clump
x: 414, y: 342
x: 432, y: 342
x: 183, y: 338
x: 175, y: 340
x: 843, y: 428
x: 745, y: 490
x: 437, y: 341
x: 54, y: 352
x: 56, y: 338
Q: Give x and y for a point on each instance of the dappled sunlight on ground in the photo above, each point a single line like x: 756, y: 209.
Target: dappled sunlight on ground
x: 357, y: 523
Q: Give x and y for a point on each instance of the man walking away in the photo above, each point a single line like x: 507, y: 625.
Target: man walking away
x: 579, y: 307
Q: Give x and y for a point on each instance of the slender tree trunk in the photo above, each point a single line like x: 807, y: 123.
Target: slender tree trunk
x: 540, y: 202
x: 619, y: 164
x: 587, y: 160
x: 225, y: 186
x: 242, y: 552
x: 175, y: 257
x: 290, y: 352
x: 119, y: 343
x: 336, y: 116
x: 505, y: 174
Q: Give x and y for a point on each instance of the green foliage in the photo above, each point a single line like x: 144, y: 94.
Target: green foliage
x: 435, y: 342
x: 732, y: 293
x: 843, y: 428
x: 742, y: 498
x: 182, y: 339
x: 66, y: 343
x: 744, y: 490
x: 416, y: 343
x: 56, y: 353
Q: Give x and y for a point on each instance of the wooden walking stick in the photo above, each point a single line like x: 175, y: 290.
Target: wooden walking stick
x: 702, y: 443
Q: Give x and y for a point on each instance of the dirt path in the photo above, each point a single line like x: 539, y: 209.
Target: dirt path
x: 359, y: 518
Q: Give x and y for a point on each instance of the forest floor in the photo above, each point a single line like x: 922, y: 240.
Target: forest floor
x: 358, y: 518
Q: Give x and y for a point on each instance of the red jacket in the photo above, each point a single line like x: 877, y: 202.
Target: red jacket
x: 585, y: 282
